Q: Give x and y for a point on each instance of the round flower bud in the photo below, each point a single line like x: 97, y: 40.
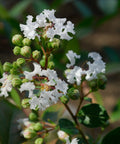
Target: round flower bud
x: 64, y: 99
x: 36, y: 54
x: 11, y: 76
x: 14, y: 71
x: 93, y: 85
x: 16, y: 82
x: 29, y: 133
x: 62, y: 135
x: 17, y: 40
x: 15, y: 64
x: 7, y: 66
x: 42, y: 62
x: 55, y: 43
x: 26, y: 42
x: 20, y: 62
x: 102, y: 80
x: 26, y: 51
x: 51, y: 65
x: 39, y: 141
x: 25, y: 103
x: 50, y: 58
x: 25, y: 80
x: 38, y: 126
x: 16, y: 50
x: 33, y: 116
x: 73, y: 93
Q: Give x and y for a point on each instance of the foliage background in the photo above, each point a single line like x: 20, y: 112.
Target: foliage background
x: 97, y: 25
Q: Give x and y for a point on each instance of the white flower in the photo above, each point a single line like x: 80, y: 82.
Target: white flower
x: 98, y: 66
x: 94, y: 68
x: 23, y: 122
x: 29, y: 30
x: 6, y: 85
x: 28, y: 86
x: 74, y: 141
x: 71, y: 56
x: 37, y: 70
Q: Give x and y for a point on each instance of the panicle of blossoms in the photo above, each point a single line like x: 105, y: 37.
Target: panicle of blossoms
x: 6, y: 85
x: 94, y: 68
x: 53, y: 87
x: 47, y: 24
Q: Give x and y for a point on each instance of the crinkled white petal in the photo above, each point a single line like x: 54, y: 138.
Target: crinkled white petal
x: 71, y: 56
x: 6, y: 85
x: 74, y: 141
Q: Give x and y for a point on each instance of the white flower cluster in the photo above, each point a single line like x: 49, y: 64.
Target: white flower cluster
x: 51, y: 25
x: 6, y: 85
x: 47, y: 97
x: 94, y: 68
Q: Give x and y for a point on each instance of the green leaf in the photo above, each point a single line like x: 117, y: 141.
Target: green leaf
x: 88, y: 99
x: 40, y: 5
x: 15, y: 96
x: 1, y: 69
x: 3, y: 12
x: 68, y: 126
x: 116, y: 112
x: 53, y: 113
x: 93, y: 115
x: 98, y: 97
x: 112, y: 137
x: 9, y: 132
x: 19, y: 8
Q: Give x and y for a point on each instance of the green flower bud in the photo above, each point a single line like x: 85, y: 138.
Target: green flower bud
x: 26, y: 42
x: 55, y: 43
x: 50, y: 58
x: 17, y: 40
x: 16, y: 50
x: 42, y: 62
x: 33, y: 116
x: 36, y: 54
x: 14, y: 71
x: 64, y: 99
x: 20, y: 62
x: 51, y: 65
x: 93, y: 85
x: 29, y: 133
x: 25, y: 103
x: 15, y: 65
x: 7, y: 66
x: 39, y: 141
x: 11, y: 76
x: 26, y: 51
x: 38, y: 126
x: 25, y: 80
x: 16, y: 82
x: 102, y: 80
x: 73, y: 93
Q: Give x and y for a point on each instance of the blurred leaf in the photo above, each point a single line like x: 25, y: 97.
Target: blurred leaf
x: 68, y: 126
x: 112, y: 68
x: 9, y: 132
x: 88, y: 99
x: 112, y: 137
x: 83, y: 8
x: 56, y: 3
x: 1, y: 69
x: 93, y: 115
x: 115, y: 116
x: 19, y: 8
x: 53, y: 113
x: 108, y: 6
x: 98, y: 97
x: 3, y: 12
x: 40, y: 5
x: 15, y: 96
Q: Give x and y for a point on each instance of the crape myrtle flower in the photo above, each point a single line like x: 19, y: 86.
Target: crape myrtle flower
x: 6, y: 85
x: 52, y: 89
x: 74, y: 141
x: 46, y: 23
x: 94, y: 68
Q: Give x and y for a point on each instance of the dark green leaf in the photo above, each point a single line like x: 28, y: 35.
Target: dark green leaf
x: 116, y: 112
x: 53, y: 113
x: 19, y: 8
x: 1, y: 69
x: 68, y: 126
x: 9, y: 132
x: 93, y: 115
x: 88, y: 99
x: 15, y: 96
x: 112, y: 137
